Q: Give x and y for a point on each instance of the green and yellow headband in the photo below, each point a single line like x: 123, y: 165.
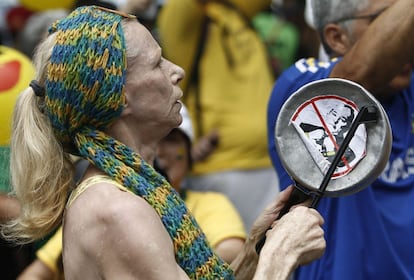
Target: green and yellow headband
x: 86, y: 73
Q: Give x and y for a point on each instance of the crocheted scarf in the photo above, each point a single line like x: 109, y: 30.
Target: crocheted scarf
x: 84, y: 94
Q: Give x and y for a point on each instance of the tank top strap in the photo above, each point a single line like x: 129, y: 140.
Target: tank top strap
x: 84, y: 185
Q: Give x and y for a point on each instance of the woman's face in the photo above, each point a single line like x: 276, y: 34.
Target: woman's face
x: 152, y: 91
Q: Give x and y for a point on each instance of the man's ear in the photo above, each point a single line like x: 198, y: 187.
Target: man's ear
x: 337, y: 39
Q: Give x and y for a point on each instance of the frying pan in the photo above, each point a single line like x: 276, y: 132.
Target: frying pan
x: 333, y: 138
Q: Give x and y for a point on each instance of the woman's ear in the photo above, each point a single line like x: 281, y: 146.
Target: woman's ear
x: 337, y: 39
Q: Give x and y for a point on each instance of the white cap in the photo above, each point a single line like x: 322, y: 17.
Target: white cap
x: 186, y: 125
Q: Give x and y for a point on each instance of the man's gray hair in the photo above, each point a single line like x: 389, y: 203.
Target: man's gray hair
x: 330, y: 11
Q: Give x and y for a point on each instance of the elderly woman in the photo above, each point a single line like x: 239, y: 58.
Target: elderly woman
x: 105, y: 93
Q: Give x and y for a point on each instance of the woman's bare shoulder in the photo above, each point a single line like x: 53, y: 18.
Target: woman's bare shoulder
x: 105, y: 206
x: 121, y: 231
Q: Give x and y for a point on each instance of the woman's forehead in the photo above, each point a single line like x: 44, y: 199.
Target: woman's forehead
x: 139, y: 40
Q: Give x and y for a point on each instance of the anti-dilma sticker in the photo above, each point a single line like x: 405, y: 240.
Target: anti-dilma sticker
x: 322, y: 123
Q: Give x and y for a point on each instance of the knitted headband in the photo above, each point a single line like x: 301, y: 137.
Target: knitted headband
x: 86, y: 74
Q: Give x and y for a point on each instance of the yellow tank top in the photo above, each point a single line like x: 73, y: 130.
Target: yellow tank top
x: 83, y: 186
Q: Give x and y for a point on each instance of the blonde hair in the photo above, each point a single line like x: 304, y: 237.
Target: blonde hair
x: 41, y: 172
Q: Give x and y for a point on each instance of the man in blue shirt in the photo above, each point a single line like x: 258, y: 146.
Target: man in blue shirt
x: 370, y: 234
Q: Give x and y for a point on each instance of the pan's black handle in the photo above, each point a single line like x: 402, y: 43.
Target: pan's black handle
x: 297, y: 196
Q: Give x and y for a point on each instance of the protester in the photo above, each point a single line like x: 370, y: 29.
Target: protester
x: 104, y: 92
x: 213, y: 211
x: 371, y: 43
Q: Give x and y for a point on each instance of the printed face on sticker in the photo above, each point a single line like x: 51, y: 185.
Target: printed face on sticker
x: 322, y: 123
x: 340, y: 119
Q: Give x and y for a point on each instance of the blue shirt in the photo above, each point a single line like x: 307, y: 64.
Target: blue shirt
x: 369, y: 234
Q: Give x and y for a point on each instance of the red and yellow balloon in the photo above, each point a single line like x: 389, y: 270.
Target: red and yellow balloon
x: 41, y: 5
x: 16, y: 72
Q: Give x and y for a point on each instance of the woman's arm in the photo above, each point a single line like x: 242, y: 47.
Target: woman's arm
x: 296, y: 239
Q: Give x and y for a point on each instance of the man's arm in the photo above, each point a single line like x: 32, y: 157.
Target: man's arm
x: 384, y: 48
x: 37, y: 270
x: 9, y: 207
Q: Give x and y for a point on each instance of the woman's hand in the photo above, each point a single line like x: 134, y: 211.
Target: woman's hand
x: 269, y: 215
x: 295, y: 239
